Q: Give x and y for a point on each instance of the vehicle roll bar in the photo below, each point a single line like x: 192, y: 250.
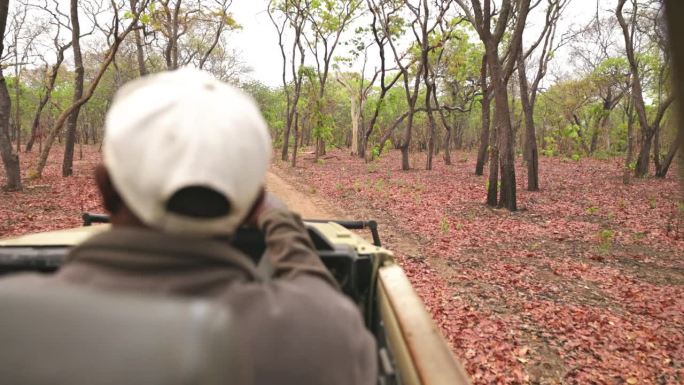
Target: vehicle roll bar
x: 89, y: 219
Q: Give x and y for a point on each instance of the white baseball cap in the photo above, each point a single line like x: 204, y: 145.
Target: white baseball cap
x: 185, y: 129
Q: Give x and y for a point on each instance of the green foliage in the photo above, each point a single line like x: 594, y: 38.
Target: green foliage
x: 375, y: 151
x: 444, y: 225
x: 550, y: 148
x: 606, y: 237
x: 592, y: 210
x: 498, y: 185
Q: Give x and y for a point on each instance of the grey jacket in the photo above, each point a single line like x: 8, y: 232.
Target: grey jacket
x: 295, y: 327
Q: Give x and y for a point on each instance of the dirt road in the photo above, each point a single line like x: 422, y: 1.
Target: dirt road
x: 313, y: 206
x: 307, y: 205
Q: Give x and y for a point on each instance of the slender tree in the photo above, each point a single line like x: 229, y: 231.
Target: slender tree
x: 291, y: 15
x: 648, y: 129
x: 79, y: 79
x: 10, y: 159
x: 511, y: 18
x: 139, y: 45
x: 116, y: 36
x: 327, y: 21
x: 528, y: 91
x: 486, y: 118
x: 381, y: 34
x: 423, y: 28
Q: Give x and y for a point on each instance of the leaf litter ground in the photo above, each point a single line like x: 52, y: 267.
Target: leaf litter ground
x: 51, y: 202
x: 583, y: 285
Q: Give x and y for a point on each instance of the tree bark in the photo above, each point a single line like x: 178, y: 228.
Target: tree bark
x: 70, y: 136
x: 493, y: 181
x: 295, y: 132
x: 507, y: 196
x: 9, y: 158
x: 355, y: 118
x: 664, y: 166
x: 626, y: 176
x: 484, y: 133
x: 140, y: 53
x: 17, y: 104
x: 406, y: 142
x: 531, y: 151
x: 431, y: 119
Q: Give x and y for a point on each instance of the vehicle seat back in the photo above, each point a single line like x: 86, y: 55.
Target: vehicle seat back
x: 55, y: 333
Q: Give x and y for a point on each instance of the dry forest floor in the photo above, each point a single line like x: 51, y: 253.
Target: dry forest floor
x: 584, y: 284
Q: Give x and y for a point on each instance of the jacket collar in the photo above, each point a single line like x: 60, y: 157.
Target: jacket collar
x: 144, y: 249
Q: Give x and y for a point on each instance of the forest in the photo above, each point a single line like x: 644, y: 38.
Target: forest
x: 523, y: 162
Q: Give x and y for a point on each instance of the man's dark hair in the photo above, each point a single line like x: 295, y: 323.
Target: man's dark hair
x: 199, y: 202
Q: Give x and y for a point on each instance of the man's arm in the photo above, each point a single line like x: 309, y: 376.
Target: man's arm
x: 289, y: 249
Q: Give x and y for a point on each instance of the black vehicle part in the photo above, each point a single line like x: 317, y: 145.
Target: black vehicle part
x: 89, y: 219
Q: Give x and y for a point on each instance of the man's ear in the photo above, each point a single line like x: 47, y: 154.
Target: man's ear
x: 110, y: 197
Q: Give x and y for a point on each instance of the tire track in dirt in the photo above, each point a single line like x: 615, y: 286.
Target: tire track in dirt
x: 308, y: 205
x: 303, y: 199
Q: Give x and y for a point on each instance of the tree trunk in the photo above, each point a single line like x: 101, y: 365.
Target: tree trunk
x: 355, y: 117
x: 594, y: 138
x: 642, y: 163
x: 70, y: 137
x: 493, y: 181
x: 140, y: 54
x: 173, y: 24
x: 531, y: 151
x: 447, y: 147
x: 286, y: 141
x: 9, y: 158
x: 458, y: 138
x: 484, y: 134
x: 664, y: 166
x: 656, y: 147
x: 431, y: 120
x: 626, y: 176
x: 295, y: 132
x: 507, y: 197
x: 17, y: 104
x: 405, y: 161
x: 408, y: 133
x: 297, y: 76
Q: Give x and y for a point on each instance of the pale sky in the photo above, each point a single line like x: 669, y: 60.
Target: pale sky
x: 258, y: 40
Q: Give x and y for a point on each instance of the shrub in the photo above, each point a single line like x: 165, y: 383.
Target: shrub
x: 444, y: 225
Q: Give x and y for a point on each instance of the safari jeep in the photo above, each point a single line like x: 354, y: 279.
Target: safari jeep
x: 73, y: 337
